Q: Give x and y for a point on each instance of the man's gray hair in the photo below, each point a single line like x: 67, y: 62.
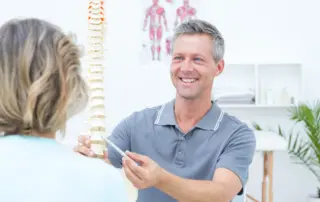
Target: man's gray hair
x: 197, y: 26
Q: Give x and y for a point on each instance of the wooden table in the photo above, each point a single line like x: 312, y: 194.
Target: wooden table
x: 268, y: 143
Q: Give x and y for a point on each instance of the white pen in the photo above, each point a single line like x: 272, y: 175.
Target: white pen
x: 115, y: 147
x: 122, y: 153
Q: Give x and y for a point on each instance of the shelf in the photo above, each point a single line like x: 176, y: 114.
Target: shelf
x: 281, y: 81
x: 241, y: 74
x: 258, y: 85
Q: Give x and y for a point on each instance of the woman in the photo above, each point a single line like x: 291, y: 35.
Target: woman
x: 40, y: 89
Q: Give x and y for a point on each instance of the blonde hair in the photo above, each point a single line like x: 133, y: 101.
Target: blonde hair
x: 40, y: 82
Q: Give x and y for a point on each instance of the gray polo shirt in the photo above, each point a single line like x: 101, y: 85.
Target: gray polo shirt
x: 218, y: 140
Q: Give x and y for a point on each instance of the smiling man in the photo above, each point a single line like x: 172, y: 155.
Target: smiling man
x: 188, y: 149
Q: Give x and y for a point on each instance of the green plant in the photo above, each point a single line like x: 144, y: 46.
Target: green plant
x: 304, y: 147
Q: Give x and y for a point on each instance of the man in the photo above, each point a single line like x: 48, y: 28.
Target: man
x: 187, y: 149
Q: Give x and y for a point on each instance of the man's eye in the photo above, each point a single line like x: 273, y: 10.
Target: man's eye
x: 198, y: 59
x: 178, y: 58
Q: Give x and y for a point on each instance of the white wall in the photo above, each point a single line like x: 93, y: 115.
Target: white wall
x: 270, y: 31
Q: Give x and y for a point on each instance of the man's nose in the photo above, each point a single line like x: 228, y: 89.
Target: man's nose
x: 187, y: 66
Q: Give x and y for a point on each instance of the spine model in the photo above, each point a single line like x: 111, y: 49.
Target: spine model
x: 96, y: 28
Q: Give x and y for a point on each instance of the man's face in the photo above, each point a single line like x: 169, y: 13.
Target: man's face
x: 193, y: 67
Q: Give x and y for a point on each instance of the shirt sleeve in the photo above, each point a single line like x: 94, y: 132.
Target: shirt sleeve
x: 121, y: 137
x: 238, y: 154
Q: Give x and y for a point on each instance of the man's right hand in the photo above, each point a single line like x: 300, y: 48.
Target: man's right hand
x: 84, y: 146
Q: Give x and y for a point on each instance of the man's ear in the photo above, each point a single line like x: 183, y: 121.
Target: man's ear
x: 219, y: 68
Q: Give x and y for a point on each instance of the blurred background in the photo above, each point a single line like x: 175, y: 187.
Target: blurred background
x: 272, y: 52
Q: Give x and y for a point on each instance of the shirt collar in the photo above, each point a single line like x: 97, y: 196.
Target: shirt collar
x: 210, y: 121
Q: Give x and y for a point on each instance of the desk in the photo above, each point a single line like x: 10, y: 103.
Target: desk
x: 267, y: 143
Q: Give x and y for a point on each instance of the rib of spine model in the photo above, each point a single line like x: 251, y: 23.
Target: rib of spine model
x: 96, y: 29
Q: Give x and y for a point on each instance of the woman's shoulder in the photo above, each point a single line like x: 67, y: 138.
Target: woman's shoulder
x: 104, y: 178
x: 52, y: 153
x: 94, y: 167
x: 94, y: 164
x: 68, y: 171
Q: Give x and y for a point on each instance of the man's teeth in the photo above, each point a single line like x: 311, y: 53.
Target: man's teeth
x: 188, y: 80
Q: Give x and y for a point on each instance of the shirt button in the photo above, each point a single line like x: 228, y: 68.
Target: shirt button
x: 180, y: 153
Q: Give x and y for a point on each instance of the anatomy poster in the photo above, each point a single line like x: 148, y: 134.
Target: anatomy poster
x: 155, y: 25
x: 159, y: 21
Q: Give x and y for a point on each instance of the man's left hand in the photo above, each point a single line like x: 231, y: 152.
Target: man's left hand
x: 147, y: 174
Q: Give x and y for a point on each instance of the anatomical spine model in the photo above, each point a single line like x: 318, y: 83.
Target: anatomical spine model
x: 185, y: 13
x: 157, y: 17
x: 96, y: 29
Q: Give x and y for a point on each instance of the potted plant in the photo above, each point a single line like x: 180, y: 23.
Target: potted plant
x: 304, y: 147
